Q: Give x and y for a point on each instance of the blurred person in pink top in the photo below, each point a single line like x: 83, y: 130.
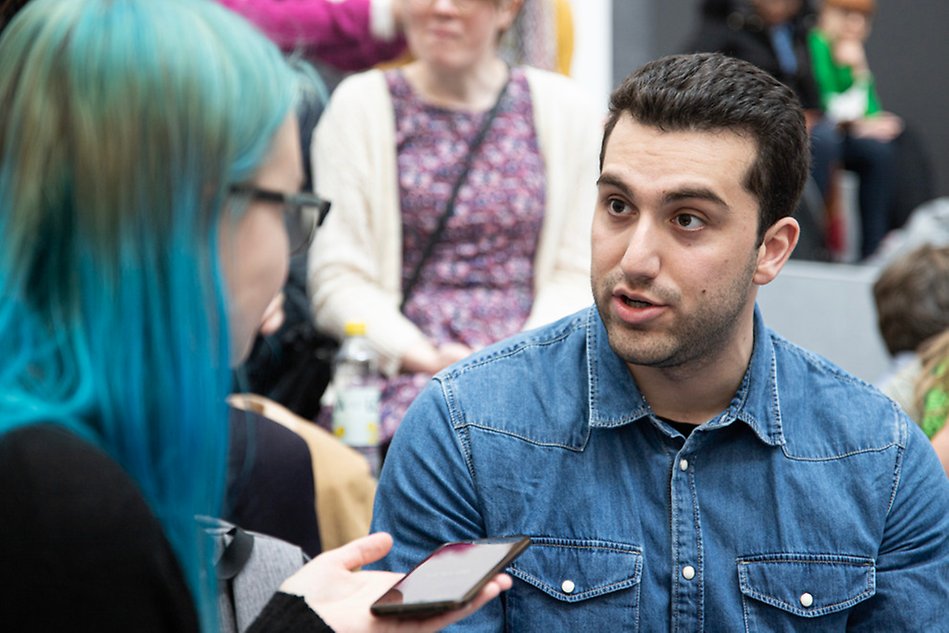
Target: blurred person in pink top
x: 347, y: 34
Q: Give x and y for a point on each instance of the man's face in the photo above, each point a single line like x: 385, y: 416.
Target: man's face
x: 674, y: 243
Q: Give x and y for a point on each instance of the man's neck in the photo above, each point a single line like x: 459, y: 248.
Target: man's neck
x: 701, y: 389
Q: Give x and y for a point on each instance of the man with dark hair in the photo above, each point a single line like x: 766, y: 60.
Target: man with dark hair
x: 677, y: 465
x: 708, y: 93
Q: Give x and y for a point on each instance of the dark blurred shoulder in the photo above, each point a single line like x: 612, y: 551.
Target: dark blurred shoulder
x: 79, y: 546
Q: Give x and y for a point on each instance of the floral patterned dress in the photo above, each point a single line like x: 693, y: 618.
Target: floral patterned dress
x: 478, y: 285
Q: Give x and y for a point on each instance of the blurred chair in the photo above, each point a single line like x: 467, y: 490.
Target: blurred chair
x: 829, y: 309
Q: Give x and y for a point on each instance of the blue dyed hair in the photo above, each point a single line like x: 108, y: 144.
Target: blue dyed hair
x: 123, y: 124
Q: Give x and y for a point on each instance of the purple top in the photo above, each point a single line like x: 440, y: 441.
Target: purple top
x: 478, y: 285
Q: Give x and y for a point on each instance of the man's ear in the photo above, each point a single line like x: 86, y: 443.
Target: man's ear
x: 776, y: 247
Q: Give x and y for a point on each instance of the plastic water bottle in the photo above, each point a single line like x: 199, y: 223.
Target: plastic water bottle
x: 356, y: 420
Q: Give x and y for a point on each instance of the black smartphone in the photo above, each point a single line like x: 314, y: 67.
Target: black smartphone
x: 450, y: 577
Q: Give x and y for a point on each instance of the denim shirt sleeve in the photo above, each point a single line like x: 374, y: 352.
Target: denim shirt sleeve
x: 912, y: 567
x: 426, y: 495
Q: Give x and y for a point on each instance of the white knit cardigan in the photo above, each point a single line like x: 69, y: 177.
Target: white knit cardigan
x: 355, y: 264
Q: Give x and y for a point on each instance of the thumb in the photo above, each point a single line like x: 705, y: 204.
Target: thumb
x: 361, y: 551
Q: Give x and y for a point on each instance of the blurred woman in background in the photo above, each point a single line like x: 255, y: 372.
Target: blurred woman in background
x: 463, y: 192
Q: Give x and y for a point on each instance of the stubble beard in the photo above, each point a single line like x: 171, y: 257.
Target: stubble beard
x: 691, y: 338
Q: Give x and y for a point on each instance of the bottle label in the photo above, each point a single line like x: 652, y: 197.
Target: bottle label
x: 356, y: 416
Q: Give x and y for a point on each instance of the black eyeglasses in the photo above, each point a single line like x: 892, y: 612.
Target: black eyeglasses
x: 304, y: 212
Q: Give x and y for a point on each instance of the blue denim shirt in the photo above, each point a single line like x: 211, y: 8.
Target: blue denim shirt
x: 811, y: 503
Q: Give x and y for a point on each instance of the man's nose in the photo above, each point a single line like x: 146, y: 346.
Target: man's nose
x: 642, y: 256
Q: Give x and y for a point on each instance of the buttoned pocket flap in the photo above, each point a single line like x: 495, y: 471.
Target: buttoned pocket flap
x: 809, y: 585
x: 573, y: 570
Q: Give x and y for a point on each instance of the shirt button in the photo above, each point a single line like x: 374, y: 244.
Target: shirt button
x: 683, y: 464
x: 806, y: 600
x: 688, y: 572
x: 568, y: 586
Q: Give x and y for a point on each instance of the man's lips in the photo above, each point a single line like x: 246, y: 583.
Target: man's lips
x: 636, y: 308
x: 637, y: 303
x: 637, y: 300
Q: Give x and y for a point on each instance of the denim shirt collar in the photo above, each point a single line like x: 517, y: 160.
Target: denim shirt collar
x: 615, y: 399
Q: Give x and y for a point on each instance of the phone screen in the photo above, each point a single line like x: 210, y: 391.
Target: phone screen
x: 451, y: 576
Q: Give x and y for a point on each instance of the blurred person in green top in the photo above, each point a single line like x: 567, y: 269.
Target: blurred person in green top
x: 849, y: 97
x: 839, y: 58
x: 932, y: 394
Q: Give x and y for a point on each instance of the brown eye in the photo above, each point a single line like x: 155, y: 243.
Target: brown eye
x: 689, y: 221
x: 617, y: 207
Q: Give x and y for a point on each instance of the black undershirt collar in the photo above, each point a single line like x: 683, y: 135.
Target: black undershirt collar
x: 685, y: 428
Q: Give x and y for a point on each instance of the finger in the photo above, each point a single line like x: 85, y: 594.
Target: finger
x: 273, y: 316
x: 275, y: 305
x: 362, y: 551
x: 501, y: 582
x: 272, y: 323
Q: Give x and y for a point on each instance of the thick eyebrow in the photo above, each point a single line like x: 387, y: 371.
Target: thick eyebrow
x: 698, y: 193
x: 689, y: 193
x: 612, y: 181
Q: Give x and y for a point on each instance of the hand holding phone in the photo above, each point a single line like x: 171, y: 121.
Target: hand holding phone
x: 450, y: 577
x: 342, y: 596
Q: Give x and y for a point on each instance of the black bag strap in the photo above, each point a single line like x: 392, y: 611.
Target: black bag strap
x: 235, y: 554
x: 450, y: 205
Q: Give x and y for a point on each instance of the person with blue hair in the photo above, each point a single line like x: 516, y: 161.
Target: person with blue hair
x: 149, y: 158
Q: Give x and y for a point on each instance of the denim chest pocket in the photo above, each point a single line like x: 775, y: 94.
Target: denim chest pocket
x: 803, y: 592
x: 575, y: 585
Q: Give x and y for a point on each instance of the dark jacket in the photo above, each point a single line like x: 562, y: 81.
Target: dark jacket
x: 736, y: 30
